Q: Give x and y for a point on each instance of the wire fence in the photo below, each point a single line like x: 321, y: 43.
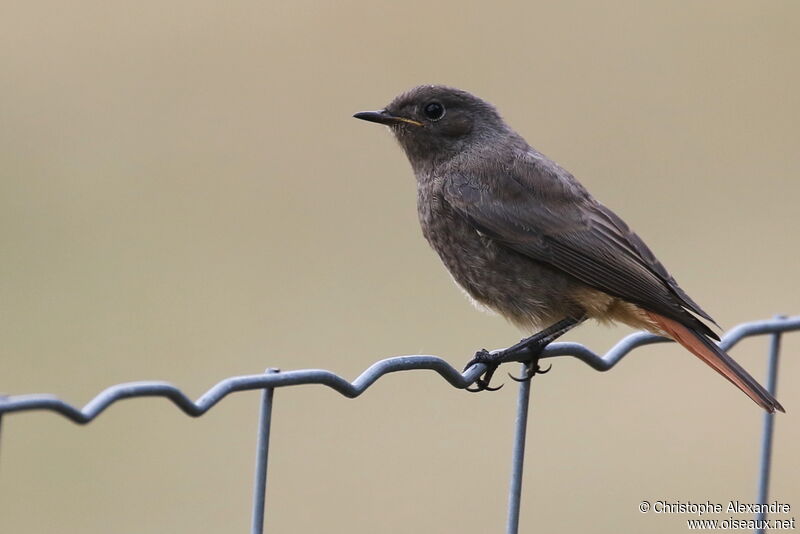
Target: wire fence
x: 273, y: 378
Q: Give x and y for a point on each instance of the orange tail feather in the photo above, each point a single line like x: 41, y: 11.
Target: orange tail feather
x: 709, y: 352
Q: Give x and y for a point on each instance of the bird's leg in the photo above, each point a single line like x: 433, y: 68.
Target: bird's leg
x: 527, y: 350
x: 540, y: 341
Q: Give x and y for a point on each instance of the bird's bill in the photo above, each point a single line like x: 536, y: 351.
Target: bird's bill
x: 384, y: 117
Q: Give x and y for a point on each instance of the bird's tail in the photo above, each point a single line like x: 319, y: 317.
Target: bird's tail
x: 709, y: 352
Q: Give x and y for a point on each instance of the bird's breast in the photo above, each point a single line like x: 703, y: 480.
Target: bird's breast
x: 521, y: 289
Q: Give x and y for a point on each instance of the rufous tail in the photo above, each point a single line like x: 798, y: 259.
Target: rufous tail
x: 709, y: 352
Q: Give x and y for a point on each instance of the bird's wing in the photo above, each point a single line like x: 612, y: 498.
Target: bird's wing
x: 537, y: 209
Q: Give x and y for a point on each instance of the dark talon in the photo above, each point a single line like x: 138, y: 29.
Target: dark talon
x: 532, y: 370
x: 483, y: 386
x: 519, y: 378
x: 483, y: 383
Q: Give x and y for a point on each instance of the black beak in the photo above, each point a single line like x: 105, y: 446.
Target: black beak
x: 384, y: 117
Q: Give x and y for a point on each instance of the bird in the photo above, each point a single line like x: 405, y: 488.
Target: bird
x: 524, y: 238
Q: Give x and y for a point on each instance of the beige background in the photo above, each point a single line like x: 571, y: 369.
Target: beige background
x: 184, y: 196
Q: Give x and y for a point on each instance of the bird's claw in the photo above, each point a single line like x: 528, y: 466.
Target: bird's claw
x: 491, y: 362
x: 483, y: 385
x: 531, y: 370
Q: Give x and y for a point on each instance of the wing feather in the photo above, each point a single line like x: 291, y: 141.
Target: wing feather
x: 537, y: 209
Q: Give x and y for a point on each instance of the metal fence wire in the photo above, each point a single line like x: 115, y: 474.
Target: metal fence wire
x: 272, y: 379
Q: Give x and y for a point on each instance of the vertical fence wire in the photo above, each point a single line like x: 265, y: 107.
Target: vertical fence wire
x: 518, y: 454
x: 2, y: 397
x: 767, y: 432
x: 262, y: 455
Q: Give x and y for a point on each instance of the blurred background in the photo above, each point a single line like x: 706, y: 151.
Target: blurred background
x: 184, y: 196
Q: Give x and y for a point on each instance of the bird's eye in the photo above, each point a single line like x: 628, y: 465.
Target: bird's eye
x: 434, y: 111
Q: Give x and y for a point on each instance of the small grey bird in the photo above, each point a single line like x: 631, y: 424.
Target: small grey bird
x: 524, y: 238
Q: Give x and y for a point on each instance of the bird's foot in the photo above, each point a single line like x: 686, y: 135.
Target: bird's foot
x: 492, y: 362
x: 527, y: 350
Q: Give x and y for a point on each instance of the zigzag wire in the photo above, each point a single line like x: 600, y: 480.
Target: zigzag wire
x: 21, y: 403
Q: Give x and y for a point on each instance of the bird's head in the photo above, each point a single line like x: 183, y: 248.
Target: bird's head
x: 435, y: 122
